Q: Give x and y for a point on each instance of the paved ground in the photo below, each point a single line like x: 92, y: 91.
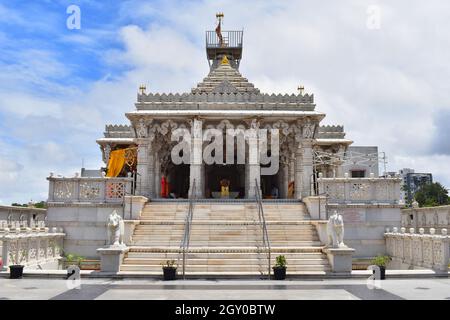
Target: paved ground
x: 29, y: 288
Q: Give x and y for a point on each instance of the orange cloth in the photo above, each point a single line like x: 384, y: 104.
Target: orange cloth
x: 291, y: 189
x: 116, y: 162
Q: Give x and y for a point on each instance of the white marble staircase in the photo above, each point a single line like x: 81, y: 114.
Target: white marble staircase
x: 226, y: 239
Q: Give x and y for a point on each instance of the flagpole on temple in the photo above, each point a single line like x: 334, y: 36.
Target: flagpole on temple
x: 219, y: 16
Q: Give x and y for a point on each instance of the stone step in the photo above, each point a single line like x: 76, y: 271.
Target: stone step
x: 223, y: 268
x: 227, y: 224
x: 224, y: 232
x: 224, y: 243
x: 211, y: 241
x: 223, y: 261
x: 228, y: 249
x: 222, y: 255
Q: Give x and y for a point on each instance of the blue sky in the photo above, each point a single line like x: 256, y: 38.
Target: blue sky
x: 59, y: 87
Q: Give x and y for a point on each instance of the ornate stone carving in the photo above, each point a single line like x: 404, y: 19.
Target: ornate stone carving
x: 115, y: 227
x: 141, y: 129
x: 63, y: 189
x: 309, y: 129
x: 115, y: 190
x: 89, y: 190
x: 107, y: 153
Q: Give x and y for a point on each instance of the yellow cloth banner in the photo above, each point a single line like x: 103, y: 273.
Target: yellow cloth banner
x: 116, y: 162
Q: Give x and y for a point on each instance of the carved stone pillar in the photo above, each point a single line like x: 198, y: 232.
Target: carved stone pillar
x: 196, y: 159
x: 292, y: 167
x: 254, y: 168
x: 143, y: 186
x: 307, y: 166
x: 151, y: 171
x: 285, y: 180
x: 157, y: 169
x: 298, y: 184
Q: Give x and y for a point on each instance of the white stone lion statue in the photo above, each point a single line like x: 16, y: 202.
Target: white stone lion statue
x: 335, y: 230
x: 116, y: 229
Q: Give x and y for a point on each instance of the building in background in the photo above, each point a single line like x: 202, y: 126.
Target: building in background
x: 365, y: 161
x: 411, y: 182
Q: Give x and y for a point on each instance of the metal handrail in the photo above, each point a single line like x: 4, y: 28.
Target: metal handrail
x: 184, y: 245
x: 262, y: 221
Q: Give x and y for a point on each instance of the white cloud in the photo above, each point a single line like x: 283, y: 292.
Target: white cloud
x: 387, y: 87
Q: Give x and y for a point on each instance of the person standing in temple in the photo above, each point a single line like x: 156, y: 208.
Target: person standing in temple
x: 274, y: 192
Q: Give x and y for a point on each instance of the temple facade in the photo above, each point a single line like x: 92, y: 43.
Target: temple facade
x: 225, y: 100
x: 269, y: 191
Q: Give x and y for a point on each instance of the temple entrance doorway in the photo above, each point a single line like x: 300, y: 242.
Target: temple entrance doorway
x: 271, y: 186
x: 234, y: 174
x: 178, y: 179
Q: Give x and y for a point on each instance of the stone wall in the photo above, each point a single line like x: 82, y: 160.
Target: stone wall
x: 365, y: 226
x: 432, y: 217
x: 84, y: 225
x: 11, y: 216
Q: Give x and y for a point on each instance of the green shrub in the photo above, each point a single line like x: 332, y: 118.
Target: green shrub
x: 280, y: 262
x: 381, y: 260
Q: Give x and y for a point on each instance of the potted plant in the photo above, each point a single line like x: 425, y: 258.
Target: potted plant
x: 16, y: 269
x: 73, y: 259
x: 169, y: 270
x: 279, y: 270
x: 381, y: 261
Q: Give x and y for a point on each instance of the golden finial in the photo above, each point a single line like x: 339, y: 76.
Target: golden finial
x: 219, y: 15
x: 142, y: 88
x: 225, y: 60
x: 301, y: 89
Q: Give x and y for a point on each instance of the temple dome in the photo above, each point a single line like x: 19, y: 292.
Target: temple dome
x: 225, y: 79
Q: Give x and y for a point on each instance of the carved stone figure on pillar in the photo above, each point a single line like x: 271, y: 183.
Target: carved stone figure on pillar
x: 335, y: 231
x: 141, y: 129
x: 308, y: 129
x: 115, y: 227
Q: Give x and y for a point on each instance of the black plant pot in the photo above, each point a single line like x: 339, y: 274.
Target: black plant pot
x: 170, y: 273
x: 15, y: 271
x: 382, y: 272
x: 279, y: 273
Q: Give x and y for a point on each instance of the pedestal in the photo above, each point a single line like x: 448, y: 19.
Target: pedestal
x: 111, y: 257
x: 340, y: 259
x: 316, y: 206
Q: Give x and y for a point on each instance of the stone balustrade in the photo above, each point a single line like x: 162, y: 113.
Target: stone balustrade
x: 412, y: 250
x: 429, y: 217
x: 31, y: 246
x: 360, y: 190
x: 88, y: 190
x: 16, y: 217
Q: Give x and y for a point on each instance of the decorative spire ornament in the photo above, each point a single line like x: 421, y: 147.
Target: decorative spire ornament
x: 225, y: 60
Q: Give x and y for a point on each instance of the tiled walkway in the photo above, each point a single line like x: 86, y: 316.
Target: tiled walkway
x: 225, y: 289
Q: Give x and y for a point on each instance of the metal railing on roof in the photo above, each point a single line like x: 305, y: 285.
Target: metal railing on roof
x: 230, y: 39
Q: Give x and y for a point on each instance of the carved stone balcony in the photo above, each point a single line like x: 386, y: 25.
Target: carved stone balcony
x: 88, y: 190
x: 412, y: 250
x: 360, y: 190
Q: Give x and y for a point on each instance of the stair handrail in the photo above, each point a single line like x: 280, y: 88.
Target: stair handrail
x: 184, y: 245
x: 262, y: 222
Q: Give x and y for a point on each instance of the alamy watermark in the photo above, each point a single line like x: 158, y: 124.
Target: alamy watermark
x: 260, y: 151
x: 373, y: 21
x: 73, y: 21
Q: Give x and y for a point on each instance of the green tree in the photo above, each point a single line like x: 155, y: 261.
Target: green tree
x: 431, y: 195
x: 41, y: 205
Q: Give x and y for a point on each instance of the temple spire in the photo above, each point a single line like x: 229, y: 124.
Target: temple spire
x: 220, y: 43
